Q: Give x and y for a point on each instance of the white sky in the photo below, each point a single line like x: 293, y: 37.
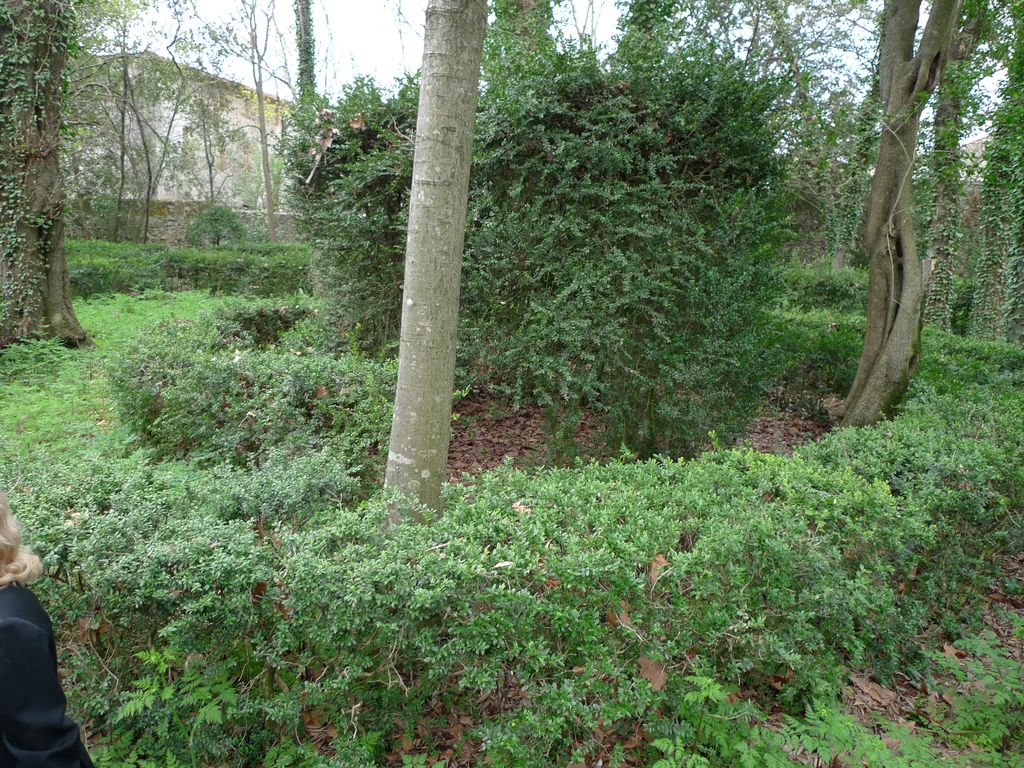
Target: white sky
x: 381, y: 38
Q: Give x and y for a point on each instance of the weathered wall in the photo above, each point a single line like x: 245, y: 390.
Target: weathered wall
x: 168, y: 223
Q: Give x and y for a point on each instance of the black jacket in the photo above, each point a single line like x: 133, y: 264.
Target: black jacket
x: 34, y: 731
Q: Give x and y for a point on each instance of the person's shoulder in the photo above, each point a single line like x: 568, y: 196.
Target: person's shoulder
x: 21, y: 604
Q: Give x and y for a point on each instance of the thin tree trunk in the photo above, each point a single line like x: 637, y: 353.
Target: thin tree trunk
x: 34, y: 280
x: 149, y: 168
x: 268, y: 179
x: 210, y: 156
x: 892, y: 339
x: 420, y: 431
x: 123, y: 139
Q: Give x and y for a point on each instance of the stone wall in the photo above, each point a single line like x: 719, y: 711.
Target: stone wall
x: 168, y: 223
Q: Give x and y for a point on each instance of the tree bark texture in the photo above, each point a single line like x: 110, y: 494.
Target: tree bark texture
x: 420, y: 431
x: 36, y: 291
x: 892, y: 338
x: 947, y: 215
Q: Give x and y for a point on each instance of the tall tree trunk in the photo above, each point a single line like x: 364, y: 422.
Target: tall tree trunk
x: 892, y: 339
x: 306, y: 49
x: 268, y: 179
x: 947, y: 162
x: 122, y: 142
x: 148, y: 155
x: 209, y: 156
x: 1011, y: 135
x: 945, y: 223
x: 34, y: 280
x: 420, y: 431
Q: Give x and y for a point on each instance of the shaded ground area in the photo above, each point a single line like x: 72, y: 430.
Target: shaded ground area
x: 488, y: 431
x: 980, y: 672
x: 785, y: 424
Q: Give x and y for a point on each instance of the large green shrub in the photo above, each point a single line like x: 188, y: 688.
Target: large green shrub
x: 99, y: 267
x: 355, y: 208
x: 621, y: 253
x: 624, y: 242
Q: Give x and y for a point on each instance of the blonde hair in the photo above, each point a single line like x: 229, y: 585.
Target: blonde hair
x: 18, y: 565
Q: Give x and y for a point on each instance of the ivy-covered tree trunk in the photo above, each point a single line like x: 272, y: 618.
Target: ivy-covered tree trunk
x: 306, y: 49
x: 947, y: 163
x: 946, y: 215
x: 420, y: 432
x: 1012, y: 135
x: 892, y: 339
x: 998, y: 304
x: 36, y: 291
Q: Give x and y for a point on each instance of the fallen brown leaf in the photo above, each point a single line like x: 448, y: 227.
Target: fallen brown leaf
x: 653, y: 672
x: 880, y: 695
x: 654, y: 568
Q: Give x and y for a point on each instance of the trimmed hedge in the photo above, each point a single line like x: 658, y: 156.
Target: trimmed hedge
x: 246, y: 381
x: 273, y: 615
x: 99, y: 267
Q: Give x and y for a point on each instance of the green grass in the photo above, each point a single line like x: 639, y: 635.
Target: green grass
x: 58, y: 399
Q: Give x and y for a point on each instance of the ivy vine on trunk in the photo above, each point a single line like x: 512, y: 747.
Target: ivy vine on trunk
x: 948, y: 163
x: 36, y: 292
x: 306, y: 49
x: 998, y: 306
x: 892, y: 339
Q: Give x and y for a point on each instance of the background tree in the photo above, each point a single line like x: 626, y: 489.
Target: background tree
x: 452, y: 53
x: 249, y: 39
x: 210, y: 136
x: 909, y: 69
x: 958, y: 79
x: 998, y: 305
x: 306, y: 46
x: 129, y: 108
x: 36, y: 292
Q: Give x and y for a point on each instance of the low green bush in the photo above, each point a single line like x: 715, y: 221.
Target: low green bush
x: 816, y: 352
x: 241, y: 617
x: 99, y: 267
x: 233, y: 385
x: 216, y: 225
x: 821, y: 288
